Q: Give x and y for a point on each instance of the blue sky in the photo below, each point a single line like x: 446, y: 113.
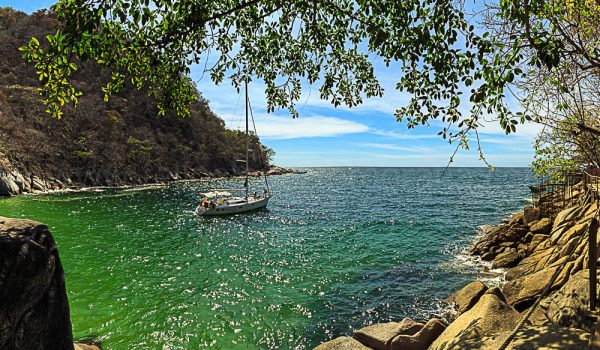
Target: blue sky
x: 368, y: 135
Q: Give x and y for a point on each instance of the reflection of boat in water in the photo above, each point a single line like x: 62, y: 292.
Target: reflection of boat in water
x: 221, y: 202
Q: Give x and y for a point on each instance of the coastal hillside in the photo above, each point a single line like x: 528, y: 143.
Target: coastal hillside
x: 118, y: 142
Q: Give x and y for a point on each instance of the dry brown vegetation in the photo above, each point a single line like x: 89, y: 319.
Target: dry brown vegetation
x: 98, y: 143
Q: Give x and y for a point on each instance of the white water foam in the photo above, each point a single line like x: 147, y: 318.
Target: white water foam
x: 465, y: 262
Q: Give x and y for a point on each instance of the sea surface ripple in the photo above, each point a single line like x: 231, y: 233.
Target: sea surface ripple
x: 337, y: 249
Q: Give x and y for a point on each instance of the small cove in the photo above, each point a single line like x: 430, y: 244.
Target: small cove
x: 337, y: 249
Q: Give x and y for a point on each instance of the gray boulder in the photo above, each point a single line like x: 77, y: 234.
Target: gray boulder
x: 8, y: 186
x: 38, y: 184
x: 34, y: 311
x: 24, y: 185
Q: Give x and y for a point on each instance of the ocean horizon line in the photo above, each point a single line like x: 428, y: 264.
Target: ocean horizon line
x: 400, y: 167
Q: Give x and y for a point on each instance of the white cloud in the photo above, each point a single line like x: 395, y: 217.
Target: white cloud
x: 392, y: 147
x: 528, y: 130
x: 399, y: 135
x: 277, y: 127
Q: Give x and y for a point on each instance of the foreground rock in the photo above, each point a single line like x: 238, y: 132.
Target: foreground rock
x: 550, y: 337
x: 523, y: 291
x: 342, y: 343
x: 420, y: 340
x: 8, y: 186
x: 568, y: 306
x: 481, y: 327
x: 404, y: 335
x: 34, y: 311
x: 379, y: 336
x: 467, y: 297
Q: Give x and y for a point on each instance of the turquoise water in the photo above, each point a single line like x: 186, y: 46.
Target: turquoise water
x: 338, y: 248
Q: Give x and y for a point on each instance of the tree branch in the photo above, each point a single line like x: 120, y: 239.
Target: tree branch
x: 232, y: 10
x: 590, y: 129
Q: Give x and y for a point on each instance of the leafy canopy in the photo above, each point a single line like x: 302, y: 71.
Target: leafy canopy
x: 560, y: 40
x: 287, y: 43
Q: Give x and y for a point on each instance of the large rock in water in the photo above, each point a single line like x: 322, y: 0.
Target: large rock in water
x: 468, y: 296
x: 482, y: 327
x: 34, y: 311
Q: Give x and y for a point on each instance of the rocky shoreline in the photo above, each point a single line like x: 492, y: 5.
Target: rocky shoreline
x: 531, y: 249
x: 14, y: 183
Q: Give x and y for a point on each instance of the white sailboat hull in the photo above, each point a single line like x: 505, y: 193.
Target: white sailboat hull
x: 227, y: 209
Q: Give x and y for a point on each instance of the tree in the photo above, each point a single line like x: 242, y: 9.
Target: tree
x: 560, y: 44
x: 288, y: 43
x: 570, y: 117
x: 283, y: 43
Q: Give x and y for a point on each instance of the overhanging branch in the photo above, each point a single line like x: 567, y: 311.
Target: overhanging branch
x: 590, y: 129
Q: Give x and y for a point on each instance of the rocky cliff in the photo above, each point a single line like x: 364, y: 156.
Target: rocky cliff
x: 544, y: 259
x: 100, y: 144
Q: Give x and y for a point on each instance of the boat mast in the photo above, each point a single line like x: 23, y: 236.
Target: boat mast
x: 260, y: 154
x: 246, y: 140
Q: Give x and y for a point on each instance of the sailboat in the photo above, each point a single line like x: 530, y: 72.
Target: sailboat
x: 222, y: 202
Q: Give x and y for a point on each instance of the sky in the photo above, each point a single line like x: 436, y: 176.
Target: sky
x: 367, y: 135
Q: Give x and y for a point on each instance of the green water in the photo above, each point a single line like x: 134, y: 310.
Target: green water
x: 336, y: 250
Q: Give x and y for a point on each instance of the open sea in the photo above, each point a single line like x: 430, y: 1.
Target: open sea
x: 337, y: 249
